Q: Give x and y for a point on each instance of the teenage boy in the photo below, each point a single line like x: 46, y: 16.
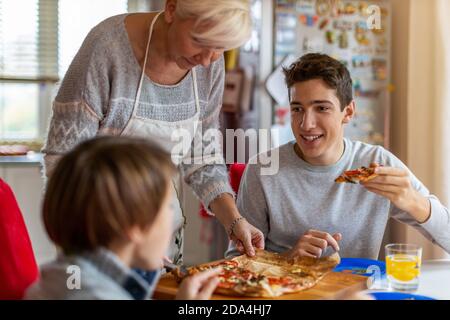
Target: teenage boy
x: 301, y: 210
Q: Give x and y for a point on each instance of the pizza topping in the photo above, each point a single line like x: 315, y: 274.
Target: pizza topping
x: 355, y: 176
x: 300, y: 272
x: 279, y: 280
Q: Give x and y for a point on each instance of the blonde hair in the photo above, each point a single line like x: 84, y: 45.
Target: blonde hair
x: 228, y: 22
x: 102, y: 188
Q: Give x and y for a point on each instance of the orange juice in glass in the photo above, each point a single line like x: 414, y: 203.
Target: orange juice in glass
x: 403, y: 266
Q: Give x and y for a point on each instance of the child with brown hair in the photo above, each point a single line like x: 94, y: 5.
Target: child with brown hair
x: 107, y: 207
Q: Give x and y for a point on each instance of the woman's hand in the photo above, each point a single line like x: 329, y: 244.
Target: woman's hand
x: 199, y: 286
x: 313, y: 244
x: 243, y: 234
x: 395, y: 185
x: 247, y: 237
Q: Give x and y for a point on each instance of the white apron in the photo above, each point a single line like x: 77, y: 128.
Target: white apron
x: 161, y: 132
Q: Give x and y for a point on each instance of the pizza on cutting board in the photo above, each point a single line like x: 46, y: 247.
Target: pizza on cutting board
x: 267, y: 274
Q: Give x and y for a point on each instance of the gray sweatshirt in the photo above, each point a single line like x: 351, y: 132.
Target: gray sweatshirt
x: 301, y: 196
x: 98, y: 92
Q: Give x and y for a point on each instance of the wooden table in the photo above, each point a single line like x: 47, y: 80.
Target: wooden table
x: 333, y: 286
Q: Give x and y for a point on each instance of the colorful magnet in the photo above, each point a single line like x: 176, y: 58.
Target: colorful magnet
x: 305, y: 6
x: 379, y: 31
x: 302, y: 18
x: 343, y: 40
x: 305, y: 44
x: 285, y: 4
x: 361, y: 25
x: 323, y: 7
x: 343, y: 25
x: 335, y: 5
x: 347, y: 9
x: 362, y: 7
x: 379, y: 69
x: 369, y: 94
x: 361, y: 33
x: 361, y: 61
x: 330, y: 36
x: 363, y: 50
x: 323, y: 23
x: 308, y: 20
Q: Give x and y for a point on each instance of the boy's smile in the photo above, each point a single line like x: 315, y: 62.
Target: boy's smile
x: 318, y: 122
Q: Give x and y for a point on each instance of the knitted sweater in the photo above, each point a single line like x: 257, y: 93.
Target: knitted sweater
x: 98, y: 92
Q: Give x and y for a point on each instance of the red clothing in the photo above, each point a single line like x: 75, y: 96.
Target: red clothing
x: 18, y: 267
x: 235, y: 175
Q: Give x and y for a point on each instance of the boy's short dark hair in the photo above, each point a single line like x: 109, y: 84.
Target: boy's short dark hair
x: 321, y: 66
x: 103, y: 188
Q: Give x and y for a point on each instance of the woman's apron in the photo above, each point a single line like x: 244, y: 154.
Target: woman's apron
x: 161, y: 132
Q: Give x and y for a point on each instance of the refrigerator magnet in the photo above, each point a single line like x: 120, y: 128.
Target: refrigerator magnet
x: 330, y: 37
x: 323, y: 7
x: 323, y: 23
x: 343, y: 40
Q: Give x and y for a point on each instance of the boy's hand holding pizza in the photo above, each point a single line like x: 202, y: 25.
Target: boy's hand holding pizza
x: 395, y: 185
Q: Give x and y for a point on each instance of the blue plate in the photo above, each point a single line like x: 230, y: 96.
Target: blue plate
x: 364, y: 267
x: 398, y: 296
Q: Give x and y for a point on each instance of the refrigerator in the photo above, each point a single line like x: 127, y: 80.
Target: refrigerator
x: 357, y: 33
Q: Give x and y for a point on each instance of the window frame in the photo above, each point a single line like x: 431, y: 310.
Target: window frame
x: 49, y: 84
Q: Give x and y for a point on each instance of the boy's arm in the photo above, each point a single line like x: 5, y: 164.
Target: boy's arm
x: 396, y: 185
x: 251, y: 203
x: 437, y: 227
x: 412, y: 203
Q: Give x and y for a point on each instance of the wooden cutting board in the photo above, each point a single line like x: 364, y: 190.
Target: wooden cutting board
x: 333, y: 286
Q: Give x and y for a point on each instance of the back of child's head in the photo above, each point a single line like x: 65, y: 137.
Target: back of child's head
x: 102, y: 188
x: 321, y: 66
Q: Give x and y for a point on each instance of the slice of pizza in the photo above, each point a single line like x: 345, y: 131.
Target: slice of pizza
x: 300, y: 267
x: 235, y: 280
x: 361, y: 174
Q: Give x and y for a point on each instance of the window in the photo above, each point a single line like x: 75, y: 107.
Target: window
x: 35, y: 55
x: 19, y: 70
x: 72, y: 33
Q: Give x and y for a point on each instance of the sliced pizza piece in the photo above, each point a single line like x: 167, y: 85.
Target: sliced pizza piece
x: 358, y: 175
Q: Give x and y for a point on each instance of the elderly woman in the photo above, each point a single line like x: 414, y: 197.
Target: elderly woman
x: 159, y: 76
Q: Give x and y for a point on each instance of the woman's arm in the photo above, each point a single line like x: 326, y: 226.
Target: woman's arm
x: 209, y: 177
x: 81, y: 101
